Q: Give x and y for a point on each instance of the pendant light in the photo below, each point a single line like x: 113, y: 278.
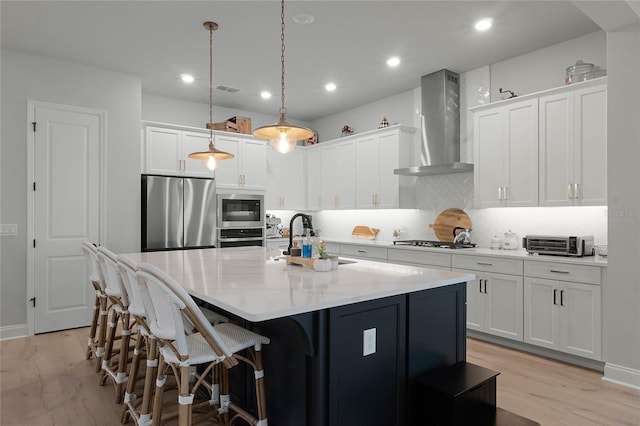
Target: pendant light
x: 212, y: 156
x: 283, y: 136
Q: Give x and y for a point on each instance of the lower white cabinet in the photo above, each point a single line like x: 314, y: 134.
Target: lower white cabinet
x: 494, y: 304
x: 495, y: 297
x: 564, y: 316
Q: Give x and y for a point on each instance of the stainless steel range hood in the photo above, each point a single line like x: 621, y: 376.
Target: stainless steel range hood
x: 440, y: 133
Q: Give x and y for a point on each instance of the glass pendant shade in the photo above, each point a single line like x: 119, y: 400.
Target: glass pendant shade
x: 282, y: 135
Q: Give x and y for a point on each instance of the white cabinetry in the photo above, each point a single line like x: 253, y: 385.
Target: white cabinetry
x: 314, y: 177
x: 561, y: 313
x: 248, y: 169
x: 357, y: 171
x: 285, y: 180
x: 167, y: 150
x: 506, y: 154
x: 377, y: 155
x: 495, y: 297
x: 338, y: 176
x: 573, y: 147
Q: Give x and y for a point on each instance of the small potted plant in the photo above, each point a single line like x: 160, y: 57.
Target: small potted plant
x: 323, y: 262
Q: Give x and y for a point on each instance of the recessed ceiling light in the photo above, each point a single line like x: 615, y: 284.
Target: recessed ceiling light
x: 330, y: 87
x: 393, y: 61
x: 265, y: 95
x: 187, y: 78
x: 303, y: 18
x: 484, y: 24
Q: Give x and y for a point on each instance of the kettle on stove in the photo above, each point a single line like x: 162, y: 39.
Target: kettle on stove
x: 510, y: 241
x: 462, y: 237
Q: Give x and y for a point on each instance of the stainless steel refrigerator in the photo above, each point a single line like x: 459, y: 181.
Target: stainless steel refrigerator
x: 178, y: 213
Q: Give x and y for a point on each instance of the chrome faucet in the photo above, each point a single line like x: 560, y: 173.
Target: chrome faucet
x: 306, y: 224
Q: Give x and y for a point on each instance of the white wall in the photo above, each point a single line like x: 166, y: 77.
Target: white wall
x: 621, y: 297
x: 28, y: 77
x: 399, y: 109
x: 186, y: 113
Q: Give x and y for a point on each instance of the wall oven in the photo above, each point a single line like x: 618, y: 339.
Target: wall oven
x: 241, y: 220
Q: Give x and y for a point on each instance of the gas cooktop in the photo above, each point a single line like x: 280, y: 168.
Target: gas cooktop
x: 437, y: 244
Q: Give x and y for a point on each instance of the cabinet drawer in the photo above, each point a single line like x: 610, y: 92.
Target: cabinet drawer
x: 367, y: 252
x: 332, y: 248
x: 422, y: 257
x: 486, y: 263
x: 563, y: 272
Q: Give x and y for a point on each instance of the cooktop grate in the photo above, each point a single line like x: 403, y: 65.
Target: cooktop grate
x: 436, y: 244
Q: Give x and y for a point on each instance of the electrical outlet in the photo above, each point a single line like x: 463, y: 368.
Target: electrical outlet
x: 369, y: 342
x: 8, y: 229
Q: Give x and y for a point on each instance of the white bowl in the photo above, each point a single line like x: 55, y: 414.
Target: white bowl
x: 601, y: 250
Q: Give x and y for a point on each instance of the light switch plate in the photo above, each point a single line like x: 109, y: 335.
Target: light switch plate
x: 8, y: 229
x: 369, y: 342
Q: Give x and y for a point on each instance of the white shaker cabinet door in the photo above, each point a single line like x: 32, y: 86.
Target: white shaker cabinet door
x: 367, y: 171
x: 489, y: 158
x: 163, y: 151
x: 314, y: 178
x: 228, y: 171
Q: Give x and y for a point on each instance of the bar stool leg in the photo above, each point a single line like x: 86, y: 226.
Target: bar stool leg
x: 108, y: 346
x: 185, y: 398
x: 260, y: 394
x: 102, y: 332
x: 161, y: 379
x: 91, y: 344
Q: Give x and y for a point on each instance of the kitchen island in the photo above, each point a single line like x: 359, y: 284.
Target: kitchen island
x: 345, y: 344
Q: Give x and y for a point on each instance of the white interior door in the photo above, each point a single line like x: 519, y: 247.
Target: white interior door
x: 66, y: 206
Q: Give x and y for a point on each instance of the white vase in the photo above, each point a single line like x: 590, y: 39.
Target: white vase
x: 322, y: 265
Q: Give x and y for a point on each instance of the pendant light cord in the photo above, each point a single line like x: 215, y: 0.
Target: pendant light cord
x: 210, y: 125
x: 283, y: 110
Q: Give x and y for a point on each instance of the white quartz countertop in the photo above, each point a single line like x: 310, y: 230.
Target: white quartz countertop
x: 479, y: 251
x: 256, y: 284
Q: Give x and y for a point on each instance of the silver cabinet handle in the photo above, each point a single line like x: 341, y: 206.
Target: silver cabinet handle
x: 361, y: 251
x: 506, y: 192
x: 499, y: 193
x: 576, y: 190
x: 569, y: 192
x: 484, y: 264
x: 557, y: 271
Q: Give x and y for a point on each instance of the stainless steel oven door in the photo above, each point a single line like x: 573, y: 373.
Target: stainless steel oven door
x: 241, y: 237
x: 240, y: 211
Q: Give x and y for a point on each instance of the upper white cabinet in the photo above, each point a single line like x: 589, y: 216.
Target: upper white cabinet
x: 546, y: 149
x: 377, y: 155
x: 167, y: 151
x: 285, y: 180
x: 338, y: 176
x: 357, y: 171
x: 314, y: 177
x: 506, y: 155
x: 248, y: 169
x: 573, y: 147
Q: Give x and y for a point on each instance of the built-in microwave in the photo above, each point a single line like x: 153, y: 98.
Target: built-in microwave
x: 240, y: 211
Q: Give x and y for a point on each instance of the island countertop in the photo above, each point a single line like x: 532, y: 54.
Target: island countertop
x: 256, y: 284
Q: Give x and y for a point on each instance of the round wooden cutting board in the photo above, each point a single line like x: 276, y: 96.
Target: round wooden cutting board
x: 447, y: 221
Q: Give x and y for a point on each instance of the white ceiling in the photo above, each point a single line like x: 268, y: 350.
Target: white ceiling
x: 348, y: 43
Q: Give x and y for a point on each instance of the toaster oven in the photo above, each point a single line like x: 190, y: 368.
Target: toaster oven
x: 559, y: 245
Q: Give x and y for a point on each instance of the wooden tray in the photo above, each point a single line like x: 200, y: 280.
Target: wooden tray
x: 447, y: 221
x: 305, y: 261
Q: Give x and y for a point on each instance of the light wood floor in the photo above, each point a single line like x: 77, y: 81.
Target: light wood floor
x: 45, y: 381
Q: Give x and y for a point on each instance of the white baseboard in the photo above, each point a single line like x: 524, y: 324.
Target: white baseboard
x: 622, y: 375
x: 13, y: 331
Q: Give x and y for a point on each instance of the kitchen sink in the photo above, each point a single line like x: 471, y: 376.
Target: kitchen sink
x: 345, y: 261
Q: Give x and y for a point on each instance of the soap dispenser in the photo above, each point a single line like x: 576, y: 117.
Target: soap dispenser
x: 307, y: 246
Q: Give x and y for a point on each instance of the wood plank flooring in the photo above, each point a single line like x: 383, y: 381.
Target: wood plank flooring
x: 46, y: 381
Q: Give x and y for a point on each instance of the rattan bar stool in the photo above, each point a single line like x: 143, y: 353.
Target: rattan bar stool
x: 210, y: 346
x: 141, y: 309
x: 114, y: 364
x: 97, y: 332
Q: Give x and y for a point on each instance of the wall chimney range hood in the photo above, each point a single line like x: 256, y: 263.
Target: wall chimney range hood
x: 440, y: 129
